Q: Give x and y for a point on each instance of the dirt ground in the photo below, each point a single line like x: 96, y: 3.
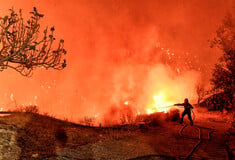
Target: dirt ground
x: 166, y: 141
x: 40, y: 137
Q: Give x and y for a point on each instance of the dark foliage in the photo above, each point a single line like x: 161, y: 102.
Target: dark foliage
x: 223, y: 78
x: 218, y: 101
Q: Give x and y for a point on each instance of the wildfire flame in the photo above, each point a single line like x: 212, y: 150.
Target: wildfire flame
x: 126, y: 103
x: 159, y: 104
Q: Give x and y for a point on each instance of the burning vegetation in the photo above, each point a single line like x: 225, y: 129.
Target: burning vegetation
x: 121, y: 69
x: 130, y: 66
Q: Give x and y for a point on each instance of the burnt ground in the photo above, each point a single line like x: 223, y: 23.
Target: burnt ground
x: 33, y: 136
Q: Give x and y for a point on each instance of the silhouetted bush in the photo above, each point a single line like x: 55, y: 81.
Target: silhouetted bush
x: 173, y: 115
x: 31, y: 109
x: 154, y: 119
x: 27, y: 109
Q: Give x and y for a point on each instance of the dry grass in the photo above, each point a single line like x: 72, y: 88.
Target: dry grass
x: 39, y: 136
x: 19, y: 120
x: 203, y: 114
x: 159, y: 118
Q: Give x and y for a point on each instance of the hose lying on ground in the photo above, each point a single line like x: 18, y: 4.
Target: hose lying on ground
x: 199, y: 138
x: 184, y: 136
x: 152, y: 156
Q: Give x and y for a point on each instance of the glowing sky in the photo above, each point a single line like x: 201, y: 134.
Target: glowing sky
x: 109, y: 44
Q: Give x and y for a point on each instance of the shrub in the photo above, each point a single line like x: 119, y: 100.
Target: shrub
x: 28, y: 109
x: 31, y: 109
x: 173, y: 115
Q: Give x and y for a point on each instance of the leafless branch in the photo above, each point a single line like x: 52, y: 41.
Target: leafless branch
x: 23, y: 50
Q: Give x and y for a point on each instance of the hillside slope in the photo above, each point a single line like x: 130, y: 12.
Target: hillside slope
x: 33, y: 136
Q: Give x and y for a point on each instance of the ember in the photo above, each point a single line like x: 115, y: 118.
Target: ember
x: 120, y: 54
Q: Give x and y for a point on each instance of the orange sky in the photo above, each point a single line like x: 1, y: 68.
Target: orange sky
x: 109, y: 44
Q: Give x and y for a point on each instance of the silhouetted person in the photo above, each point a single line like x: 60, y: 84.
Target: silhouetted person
x: 187, y: 110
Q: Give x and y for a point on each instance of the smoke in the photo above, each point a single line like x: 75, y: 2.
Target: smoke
x: 119, y: 51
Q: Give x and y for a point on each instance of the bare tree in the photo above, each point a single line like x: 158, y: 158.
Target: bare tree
x: 200, y: 92
x: 23, y: 49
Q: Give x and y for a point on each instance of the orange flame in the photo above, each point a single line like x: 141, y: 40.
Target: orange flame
x: 159, y: 104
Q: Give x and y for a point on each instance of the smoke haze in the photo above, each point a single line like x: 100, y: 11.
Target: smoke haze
x: 119, y: 51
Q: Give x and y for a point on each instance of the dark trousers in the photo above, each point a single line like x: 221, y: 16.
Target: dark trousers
x: 188, y: 112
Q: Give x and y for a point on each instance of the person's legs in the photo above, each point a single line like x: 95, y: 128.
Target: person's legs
x: 182, y: 117
x: 190, y: 118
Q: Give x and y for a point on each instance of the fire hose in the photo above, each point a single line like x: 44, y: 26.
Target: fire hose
x: 193, y: 115
x: 188, y: 137
x: 199, y: 138
x: 184, y: 136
